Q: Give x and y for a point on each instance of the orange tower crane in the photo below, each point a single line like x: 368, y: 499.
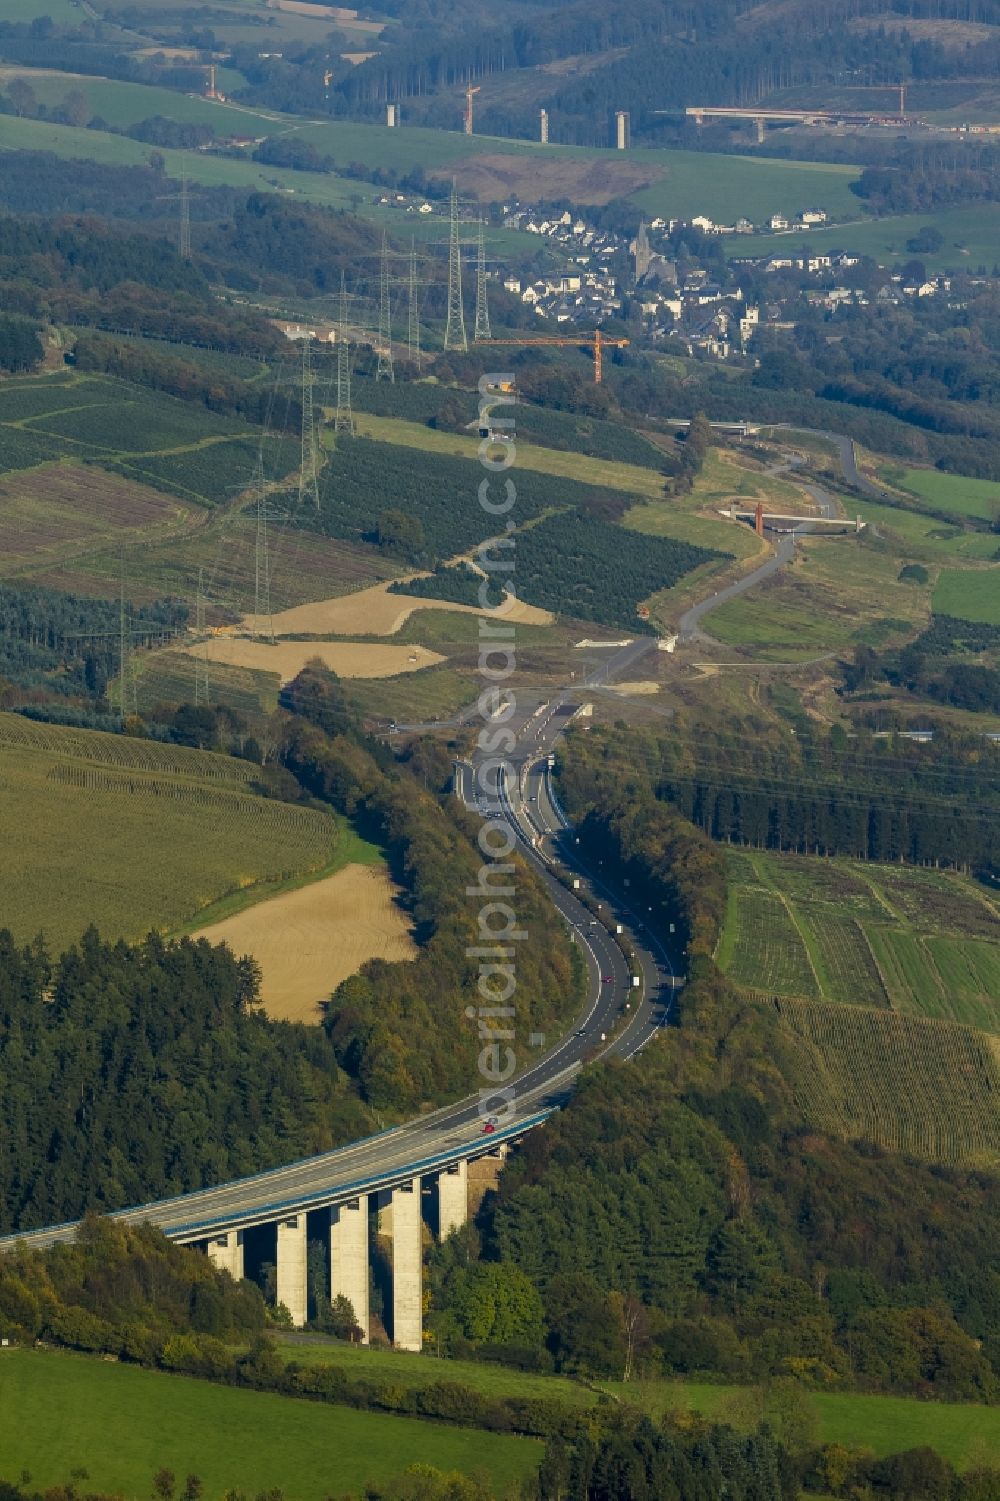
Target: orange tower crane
x: 597, y: 341
x: 470, y: 89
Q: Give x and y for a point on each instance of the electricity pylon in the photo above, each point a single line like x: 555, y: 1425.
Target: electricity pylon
x: 413, y: 310
x: 262, y: 562
x: 308, y: 479
x: 343, y: 421
x: 201, y: 694
x: 454, y: 332
x: 384, y: 369
x: 126, y: 674
x: 184, y: 236
x: 184, y: 198
x: 482, y: 330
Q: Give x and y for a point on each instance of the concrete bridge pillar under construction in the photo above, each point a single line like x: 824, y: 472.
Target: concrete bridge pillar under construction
x: 399, y: 1218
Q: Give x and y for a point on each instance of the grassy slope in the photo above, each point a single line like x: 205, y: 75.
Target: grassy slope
x: 884, y: 1424
x: 63, y: 1411
x: 964, y: 1434
x: 836, y: 591
x: 695, y: 518
x: 154, y: 847
x: 494, y: 1380
x: 952, y: 492
x: 926, y: 537
x: 969, y: 595
x: 970, y: 236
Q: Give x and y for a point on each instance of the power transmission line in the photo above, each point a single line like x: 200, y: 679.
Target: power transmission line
x: 482, y: 330
x: 308, y: 479
x: 413, y: 310
x: 184, y: 236
x: 262, y: 562
x: 384, y: 369
x: 343, y: 421
x: 201, y: 694
x: 184, y: 200
x: 126, y: 675
x: 454, y: 333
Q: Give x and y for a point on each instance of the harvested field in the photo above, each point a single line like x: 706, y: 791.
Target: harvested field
x: 307, y: 941
x: 349, y: 659
x: 641, y: 686
x: 57, y: 511
x: 496, y: 176
x: 376, y: 612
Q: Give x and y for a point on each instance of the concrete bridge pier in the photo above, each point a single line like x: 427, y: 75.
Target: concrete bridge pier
x: 291, y: 1267
x: 349, y: 1258
x: 407, y: 1267
x: 225, y: 1252
x: 453, y: 1198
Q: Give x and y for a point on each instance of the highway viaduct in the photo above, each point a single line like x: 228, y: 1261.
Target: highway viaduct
x: 398, y: 1181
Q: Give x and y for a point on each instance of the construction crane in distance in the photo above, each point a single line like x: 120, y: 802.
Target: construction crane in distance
x: 595, y: 340
x: 470, y: 89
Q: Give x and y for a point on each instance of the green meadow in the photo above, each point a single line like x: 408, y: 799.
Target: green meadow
x: 120, y: 1424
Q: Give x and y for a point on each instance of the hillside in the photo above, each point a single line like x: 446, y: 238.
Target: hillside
x: 164, y: 830
x: 66, y: 1413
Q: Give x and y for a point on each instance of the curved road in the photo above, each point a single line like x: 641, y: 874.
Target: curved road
x: 689, y: 626
x: 432, y: 1142
x: 619, y: 1016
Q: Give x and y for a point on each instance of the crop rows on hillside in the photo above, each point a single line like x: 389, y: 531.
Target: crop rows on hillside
x: 848, y: 968
x: 268, y: 815
x: 459, y: 585
x: 925, y: 948
x: 23, y: 400
x: 581, y: 566
x: 122, y: 750
x: 365, y: 479
x: 216, y: 472
x: 21, y: 449
x: 129, y: 850
x: 806, y: 878
x: 932, y: 901
x: 421, y: 402
x: 768, y: 953
x: 926, y: 1088
x: 168, y: 677
x: 130, y: 419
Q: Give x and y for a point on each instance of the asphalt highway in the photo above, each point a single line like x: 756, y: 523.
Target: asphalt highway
x: 618, y: 1017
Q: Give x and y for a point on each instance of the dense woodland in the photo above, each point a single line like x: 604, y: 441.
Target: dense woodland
x: 136, y: 1072
x: 877, y: 799
x: 931, y: 667
x: 56, y: 644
